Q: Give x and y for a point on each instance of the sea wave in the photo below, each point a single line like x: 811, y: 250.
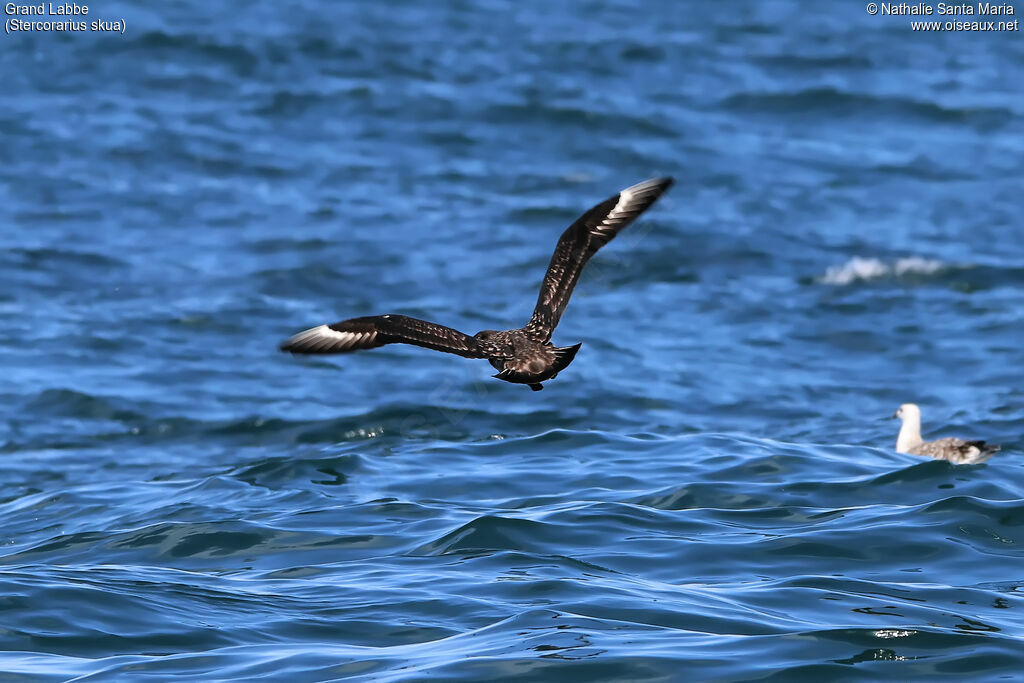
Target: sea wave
x: 859, y: 268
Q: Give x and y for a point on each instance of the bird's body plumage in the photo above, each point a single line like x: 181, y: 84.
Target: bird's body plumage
x: 522, y: 356
x: 957, y: 451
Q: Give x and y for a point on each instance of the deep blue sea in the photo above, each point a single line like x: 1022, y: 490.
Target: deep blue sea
x: 709, y: 492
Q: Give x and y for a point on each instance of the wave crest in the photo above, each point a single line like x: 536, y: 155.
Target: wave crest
x: 858, y: 268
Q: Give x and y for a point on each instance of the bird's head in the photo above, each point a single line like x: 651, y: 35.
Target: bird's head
x: 907, y: 411
x: 485, y: 335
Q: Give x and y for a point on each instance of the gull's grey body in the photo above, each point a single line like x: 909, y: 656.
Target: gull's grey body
x: 522, y: 356
x: 956, y: 451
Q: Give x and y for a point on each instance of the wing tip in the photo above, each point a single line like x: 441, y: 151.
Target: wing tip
x: 652, y: 186
x: 289, y: 345
x: 292, y: 344
x: 639, y: 197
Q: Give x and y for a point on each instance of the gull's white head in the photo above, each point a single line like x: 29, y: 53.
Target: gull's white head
x: 910, y: 431
x: 908, y: 411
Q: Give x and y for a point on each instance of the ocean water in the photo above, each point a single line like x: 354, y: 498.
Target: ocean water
x: 709, y: 492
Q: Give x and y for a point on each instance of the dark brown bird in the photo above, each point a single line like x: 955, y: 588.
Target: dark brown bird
x: 523, y: 356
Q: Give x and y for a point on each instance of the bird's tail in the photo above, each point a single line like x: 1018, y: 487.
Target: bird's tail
x: 564, y: 356
x: 985, y: 450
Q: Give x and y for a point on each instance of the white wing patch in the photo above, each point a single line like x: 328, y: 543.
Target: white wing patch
x: 632, y: 202
x: 625, y: 199
x: 323, y: 338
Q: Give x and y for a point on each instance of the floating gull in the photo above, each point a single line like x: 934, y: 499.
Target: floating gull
x: 523, y: 356
x: 957, y: 451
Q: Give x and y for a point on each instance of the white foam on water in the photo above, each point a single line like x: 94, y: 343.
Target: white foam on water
x: 859, y: 268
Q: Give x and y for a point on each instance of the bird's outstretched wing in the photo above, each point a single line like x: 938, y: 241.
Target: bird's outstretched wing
x: 579, y: 242
x: 378, y: 330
